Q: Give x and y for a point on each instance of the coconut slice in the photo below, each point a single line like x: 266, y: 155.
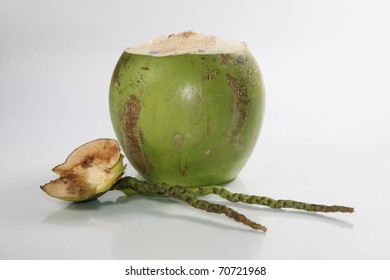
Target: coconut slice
x: 187, y: 42
x: 69, y: 188
x: 100, y: 152
x: 88, y: 172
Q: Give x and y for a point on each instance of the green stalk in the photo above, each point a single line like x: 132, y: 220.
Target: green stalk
x: 132, y: 186
x: 266, y: 201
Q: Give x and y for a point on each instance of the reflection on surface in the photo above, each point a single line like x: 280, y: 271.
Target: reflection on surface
x: 159, y: 228
x: 88, y: 215
x: 148, y: 228
x: 184, y: 234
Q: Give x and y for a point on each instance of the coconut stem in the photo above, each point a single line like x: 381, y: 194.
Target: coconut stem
x: 266, y: 201
x: 132, y: 186
x: 182, y: 194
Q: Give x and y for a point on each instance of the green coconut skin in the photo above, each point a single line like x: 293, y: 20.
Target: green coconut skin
x: 189, y: 119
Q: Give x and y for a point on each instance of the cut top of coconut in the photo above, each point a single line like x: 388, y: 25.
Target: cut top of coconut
x: 187, y: 42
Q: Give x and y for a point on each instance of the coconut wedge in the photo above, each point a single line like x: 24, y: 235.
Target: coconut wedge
x: 88, y: 172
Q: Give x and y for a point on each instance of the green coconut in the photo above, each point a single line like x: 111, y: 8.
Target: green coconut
x: 187, y: 109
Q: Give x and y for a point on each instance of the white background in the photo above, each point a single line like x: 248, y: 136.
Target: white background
x: 325, y: 138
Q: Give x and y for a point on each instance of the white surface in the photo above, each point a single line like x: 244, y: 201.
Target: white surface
x: 325, y: 137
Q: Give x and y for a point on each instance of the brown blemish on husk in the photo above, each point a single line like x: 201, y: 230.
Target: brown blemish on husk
x: 225, y: 58
x: 132, y: 134
x: 179, y: 139
x: 241, y: 59
x: 240, y: 100
x: 116, y: 75
x: 210, y: 75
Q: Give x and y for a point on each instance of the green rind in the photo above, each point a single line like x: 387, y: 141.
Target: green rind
x: 197, y: 119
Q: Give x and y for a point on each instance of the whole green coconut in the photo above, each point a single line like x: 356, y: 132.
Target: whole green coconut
x: 187, y: 109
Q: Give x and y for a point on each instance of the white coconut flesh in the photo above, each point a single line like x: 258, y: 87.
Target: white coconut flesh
x: 187, y: 42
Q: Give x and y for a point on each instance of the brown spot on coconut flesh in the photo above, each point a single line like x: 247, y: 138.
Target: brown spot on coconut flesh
x: 240, y: 100
x: 75, y: 185
x: 99, y: 152
x: 132, y: 134
x: 87, y: 162
x: 184, y: 34
x: 70, y: 187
